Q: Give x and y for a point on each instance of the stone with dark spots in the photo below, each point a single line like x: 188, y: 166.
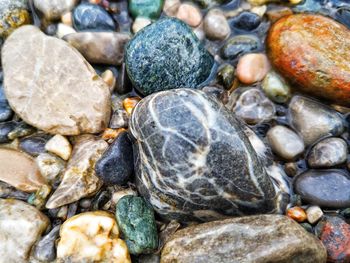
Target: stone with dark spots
x: 136, y: 220
x: 334, y: 233
x: 35, y: 144
x: 254, y: 239
x: 240, y: 45
x: 193, y: 160
x: 167, y: 55
x: 325, y: 188
x: 5, y: 129
x: 116, y: 164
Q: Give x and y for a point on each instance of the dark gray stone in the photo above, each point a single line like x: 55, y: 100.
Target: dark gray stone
x: 5, y: 129
x: 34, y: 145
x: 5, y: 110
x: 167, y: 55
x: 240, y: 45
x: 193, y: 160
x: 45, y: 250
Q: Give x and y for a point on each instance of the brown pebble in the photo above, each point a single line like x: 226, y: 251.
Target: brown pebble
x: 190, y: 14
x: 109, y: 133
x: 252, y: 68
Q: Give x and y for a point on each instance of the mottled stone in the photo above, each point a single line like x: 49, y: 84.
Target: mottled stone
x: 313, y: 52
x: 297, y: 213
x: 5, y: 109
x: 22, y: 129
x: 35, y: 144
x: 91, y: 237
x: 285, y: 142
x: 325, y: 188
x: 90, y: 17
x: 54, y: 9
x: 21, y: 225
x: 258, y: 239
x: 136, y: 221
x: 60, y: 146
x: 327, y: 153
x: 226, y: 75
x: 240, y: 45
x: 45, y: 249
x: 19, y: 170
x: 116, y: 164
x: 146, y: 8
x: 314, y: 213
x: 5, y: 129
x: 79, y: 178
x: 46, y: 91
x: 100, y: 47
x: 215, y: 25
x: 193, y: 160
x: 314, y: 120
x: 334, y: 233
x: 167, y: 55
x: 276, y: 88
x: 263, y: 2
x: 49, y: 166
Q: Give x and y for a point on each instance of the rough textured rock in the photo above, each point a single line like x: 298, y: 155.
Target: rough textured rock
x: 167, y: 55
x: 50, y: 166
x: 79, y: 178
x: 46, y: 91
x: 314, y: 52
x: 136, y: 221
x: 92, y: 237
x: 21, y: 225
x: 100, y: 47
x: 258, y: 239
x: 19, y: 170
x: 53, y: 9
x: 193, y: 160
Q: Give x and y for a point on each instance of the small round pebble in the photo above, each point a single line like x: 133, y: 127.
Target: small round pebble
x: 240, y: 45
x: 60, y: 146
x: 297, y: 213
x: 276, y: 88
x: 314, y: 213
x: 247, y: 21
x: 252, y: 68
x: 190, y: 14
x: 216, y: 26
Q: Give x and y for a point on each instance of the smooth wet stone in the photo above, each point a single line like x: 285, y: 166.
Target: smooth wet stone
x: 90, y: 17
x: 193, y: 160
x: 117, y: 163
x: 252, y: 68
x: 167, y: 55
x: 136, y: 221
x: 13, y: 14
x: 226, y: 75
x: 79, y: 178
x: 5, y: 129
x: 63, y: 30
x: 264, y: 238
x: 190, y: 14
x: 215, y: 25
x: 100, y: 47
x: 239, y: 45
x: 325, y: 188
x: 252, y: 106
x: 91, y: 237
x: 209, y: 3
x: 54, y: 9
x: 140, y: 23
x: 22, y: 129
x: 263, y: 2
x: 60, y: 146
x: 50, y: 166
x: 35, y: 144
x: 285, y: 142
x: 327, y: 153
x: 45, y: 99
x: 21, y: 225
x: 45, y: 249
x: 146, y: 8
x: 314, y: 213
x: 276, y: 88
x: 343, y: 15
x: 296, y: 213
x: 314, y: 120
x: 19, y: 170
x: 247, y: 21
x: 170, y: 7
x: 5, y: 109
x: 334, y: 233
x: 313, y: 52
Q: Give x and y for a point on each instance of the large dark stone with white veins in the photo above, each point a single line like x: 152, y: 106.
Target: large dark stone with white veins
x: 193, y: 161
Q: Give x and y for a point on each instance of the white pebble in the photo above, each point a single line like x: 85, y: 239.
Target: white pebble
x: 60, y: 146
x: 314, y: 213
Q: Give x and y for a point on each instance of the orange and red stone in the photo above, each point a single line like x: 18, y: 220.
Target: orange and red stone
x: 297, y: 213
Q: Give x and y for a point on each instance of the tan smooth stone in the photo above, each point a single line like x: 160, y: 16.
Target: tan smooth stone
x: 171, y: 6
x: 21, y: 225
x: 79, y: 178
x: 60, y: 146
x: 314, y: 213
x: 53, y: 9
x: 92, y: 237
x: 190, y: 14
x: 216, y: 25
x: 252, y: 68
x: 19, y: 170
x: 51, y: 86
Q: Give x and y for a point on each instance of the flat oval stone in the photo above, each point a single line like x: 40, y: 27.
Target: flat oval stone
x: 19, y: 170
x: 146, y: 8
x: 314, y: 52
x: 263, y: 238
x: 194, y: 161
x: 325, y: 188
x: 21, y: 225
x: 240, y: 45
x: 167, y: 55
x: 35, y: 144
x: 46, y: 91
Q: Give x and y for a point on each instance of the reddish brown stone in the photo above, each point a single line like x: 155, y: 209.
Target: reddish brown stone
x: 313, y: 52
x: 335, y: 236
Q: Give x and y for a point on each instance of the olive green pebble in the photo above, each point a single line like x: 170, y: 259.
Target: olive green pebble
x: 276, y: 88
x: 226, y: 75
x: 146, y: 8
x: 136, y: 221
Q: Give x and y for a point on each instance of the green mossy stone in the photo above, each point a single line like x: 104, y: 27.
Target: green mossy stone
x: 136, y: 221
x: 167, y: 55
x: 146, y: 8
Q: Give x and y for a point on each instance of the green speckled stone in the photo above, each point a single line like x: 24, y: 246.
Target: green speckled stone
x: 136, y: 221
x: 167, y: 55
x: 146, y: 8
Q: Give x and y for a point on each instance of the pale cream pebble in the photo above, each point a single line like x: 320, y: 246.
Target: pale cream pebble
x: 119, y: 194
x: 314, y: 213
x: 215, y: 25
x: 190, y: 14
x: 67, y: 19
x: 92, y: 237
x: 109, y: 78
x: 252, y: 68
x: 259, y: 10
x: 60, y: 146
x: 139, y: 23
x: 63, y: 30
x: 171, y: 7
